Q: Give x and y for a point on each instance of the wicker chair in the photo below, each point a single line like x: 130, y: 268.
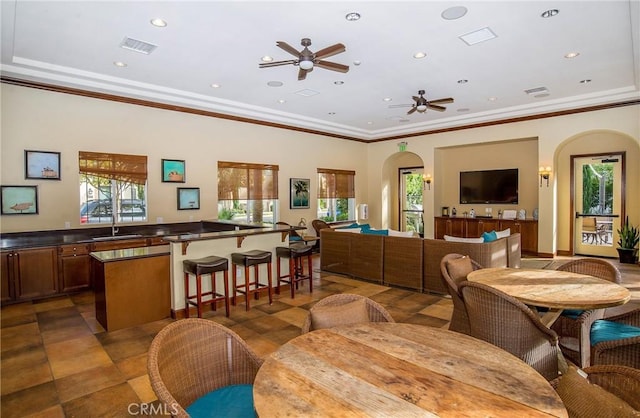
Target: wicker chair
x: 317, y: 225
x: 624, y: 351
x: 293, y: 234
x: 192, y: 357
x: 573, y: 327
x: 507, y: 323
x: 621, y: 381
x: 377, y: 312
x: 459, y: 318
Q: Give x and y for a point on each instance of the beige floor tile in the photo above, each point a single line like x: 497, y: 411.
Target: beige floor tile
x: 295, y: 316
x: 24, y: 368
x: 74, y: 356
x: 54, y: 304
x: 20, y: 336
x: 142, y: 387
x: 88, y: 381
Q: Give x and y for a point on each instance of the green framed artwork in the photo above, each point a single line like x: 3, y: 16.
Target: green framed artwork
x: 19, y: 200
x: 299, y: 193
x: 188, y: 198
x: 173, y: 171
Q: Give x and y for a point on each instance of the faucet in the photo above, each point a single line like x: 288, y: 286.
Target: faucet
x: 114, y: 228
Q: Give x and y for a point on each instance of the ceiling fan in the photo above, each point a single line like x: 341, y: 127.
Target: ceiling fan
x: 307, y: 60
x: 423, y: 104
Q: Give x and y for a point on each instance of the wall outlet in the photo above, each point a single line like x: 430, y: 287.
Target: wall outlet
x: 67, y: 224
x: 190, y: 218
x: 159, y: 219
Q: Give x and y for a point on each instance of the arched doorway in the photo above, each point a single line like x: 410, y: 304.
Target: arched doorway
x: 400, y: 207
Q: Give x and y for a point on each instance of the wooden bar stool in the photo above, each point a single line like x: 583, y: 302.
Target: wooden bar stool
x: 247, y: 259
x: 198, y: 267
x: 296, y: 255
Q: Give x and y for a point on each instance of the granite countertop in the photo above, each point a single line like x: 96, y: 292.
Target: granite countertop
x: 131, y: 253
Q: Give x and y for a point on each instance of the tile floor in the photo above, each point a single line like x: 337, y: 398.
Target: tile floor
x: 57, y: 361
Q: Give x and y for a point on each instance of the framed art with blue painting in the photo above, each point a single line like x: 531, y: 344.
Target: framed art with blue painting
x: 173, y: 171
x: 19, y: 200
x: 41, y: 165
x: 300, y: 193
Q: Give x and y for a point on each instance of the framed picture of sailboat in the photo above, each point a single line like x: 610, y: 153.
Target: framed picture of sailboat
x: 41, y: 165
x: 188, y: 198
x: 19, y: 200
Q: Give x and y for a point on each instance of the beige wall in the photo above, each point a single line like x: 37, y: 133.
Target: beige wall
x: 40, y: 120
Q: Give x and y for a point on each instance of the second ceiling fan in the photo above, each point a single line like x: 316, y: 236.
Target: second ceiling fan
x: 423, y: 104
x: 307, y: 60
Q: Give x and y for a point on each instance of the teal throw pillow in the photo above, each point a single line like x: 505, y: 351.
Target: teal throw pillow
x: 235, y: 401
x: 353, y: 225
x: 489, y: 236
x: 375, y: 231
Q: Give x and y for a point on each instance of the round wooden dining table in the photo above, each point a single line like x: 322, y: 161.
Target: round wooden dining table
x: 553, y: 289
x: 398, y: 370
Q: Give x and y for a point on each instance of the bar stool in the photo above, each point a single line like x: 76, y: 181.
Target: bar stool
x: 247, y: 259
x: 295, y: 254
x: 198, y: 267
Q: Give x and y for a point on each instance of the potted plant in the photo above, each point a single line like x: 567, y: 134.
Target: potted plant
x: 628, y: 242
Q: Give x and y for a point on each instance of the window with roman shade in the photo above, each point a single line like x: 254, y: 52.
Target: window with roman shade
x: 110, y: 180
x: 247, y: 191
x: 336, y: 194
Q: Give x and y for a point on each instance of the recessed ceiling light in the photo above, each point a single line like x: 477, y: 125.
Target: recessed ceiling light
x: 477, y: 36
x: 550, y: 13
x: 453, y: 13
x: 159, y: 22
x: 387, y: 99
x: 338, y: 83
x: 282, y: 101
x: 419, y: 55
x: 266, y: 58
x: 463, y: 81
x: 357, y: 62
x: 119, y: 64
x: 369, y: 123
x: 352, y: 17
x: 585, y: 81
x: 492, y: 99
x: 215, y: 85
x: 275, y: 83
x: 572, y: 54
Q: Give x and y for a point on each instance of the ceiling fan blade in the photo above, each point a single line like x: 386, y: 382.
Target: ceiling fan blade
x: 330, y: 51
x: 447, y: 100
x: 415, y: 98
x: 302, y: 74
x: 436, y: 107
x: 276, y: 63
x: 400, y: 105
x: 413, y: 109
x: 288, y: 48
x: 334, y: 66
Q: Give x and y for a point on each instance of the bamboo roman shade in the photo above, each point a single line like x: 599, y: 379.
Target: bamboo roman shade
x: 122, y: 167
x: 246, y: 181
x: 336, y: 184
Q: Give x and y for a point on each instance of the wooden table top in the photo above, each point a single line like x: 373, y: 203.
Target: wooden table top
x: 398, y: 370
x: 553, y: 289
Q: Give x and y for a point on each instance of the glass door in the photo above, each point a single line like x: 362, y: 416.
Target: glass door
x: 411, y: 188
x: 598, y: 203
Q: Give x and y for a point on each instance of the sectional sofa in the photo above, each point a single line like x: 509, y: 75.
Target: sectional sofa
x: 409, y: 262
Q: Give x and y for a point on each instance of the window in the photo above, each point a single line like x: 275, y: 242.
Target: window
x: 248, y: 192
x: 112, y: 180
x: 336, y: 195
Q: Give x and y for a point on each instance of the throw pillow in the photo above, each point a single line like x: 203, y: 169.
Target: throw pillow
x: 332, y: 316
x: 352, y: 230
x: 459, y: 268
x: 459, y: 239
x: 503, y: 234
x: 489, y: 236
x: 375, y: 231
x: 353, y: 225
x: 394, y: 233
x: 583, y: 399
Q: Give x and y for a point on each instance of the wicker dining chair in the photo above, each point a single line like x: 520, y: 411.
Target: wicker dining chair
x: 573, y: 327
x: 192, y: 360
x: 505, y: 322
x: 624, y: 350
x: 340, y: 309
x: 453, y: 271
x: 583, y: 398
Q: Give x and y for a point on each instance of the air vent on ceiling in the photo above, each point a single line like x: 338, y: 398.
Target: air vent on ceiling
x: 538, y: 92
x: 137, y: 46
x: 307, y: 92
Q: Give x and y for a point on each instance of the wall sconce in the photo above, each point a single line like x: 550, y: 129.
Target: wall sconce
x: 427, y: 180
x: 545, y: 172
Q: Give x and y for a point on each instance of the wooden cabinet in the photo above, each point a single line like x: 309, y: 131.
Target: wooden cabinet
x: 474, y: 227
x: 29, y: 273
x: 75, y: 267
x: 119, y: 244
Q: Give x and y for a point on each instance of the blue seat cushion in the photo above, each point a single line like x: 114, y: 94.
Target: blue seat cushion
x: 294, y: 238
x: 572, y: 313
x: 603, y: 330
x: 235, y: 401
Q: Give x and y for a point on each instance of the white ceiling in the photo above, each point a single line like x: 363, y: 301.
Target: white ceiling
x: 75, y: 44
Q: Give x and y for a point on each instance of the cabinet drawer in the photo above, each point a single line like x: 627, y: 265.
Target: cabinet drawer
x: 73, y: 249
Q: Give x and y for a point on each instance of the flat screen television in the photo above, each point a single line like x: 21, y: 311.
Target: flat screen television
x: 489, y: 186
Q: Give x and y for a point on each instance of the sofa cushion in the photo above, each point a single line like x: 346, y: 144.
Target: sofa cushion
x: 489, y: 236
x: 394, y: 233
x: 352, y: 230
x: 460, y: 239
x: 603, y: 330
x: 332, y: 316
x: 375, y: 231
x: 503, y: 234
x: 459, y: 268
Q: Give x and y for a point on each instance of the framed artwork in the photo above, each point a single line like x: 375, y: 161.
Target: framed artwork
x: 41, y: 165
x: 19, y: 200
x: 299, y: 193
x: 188, y: 198
x: 173, y: 171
